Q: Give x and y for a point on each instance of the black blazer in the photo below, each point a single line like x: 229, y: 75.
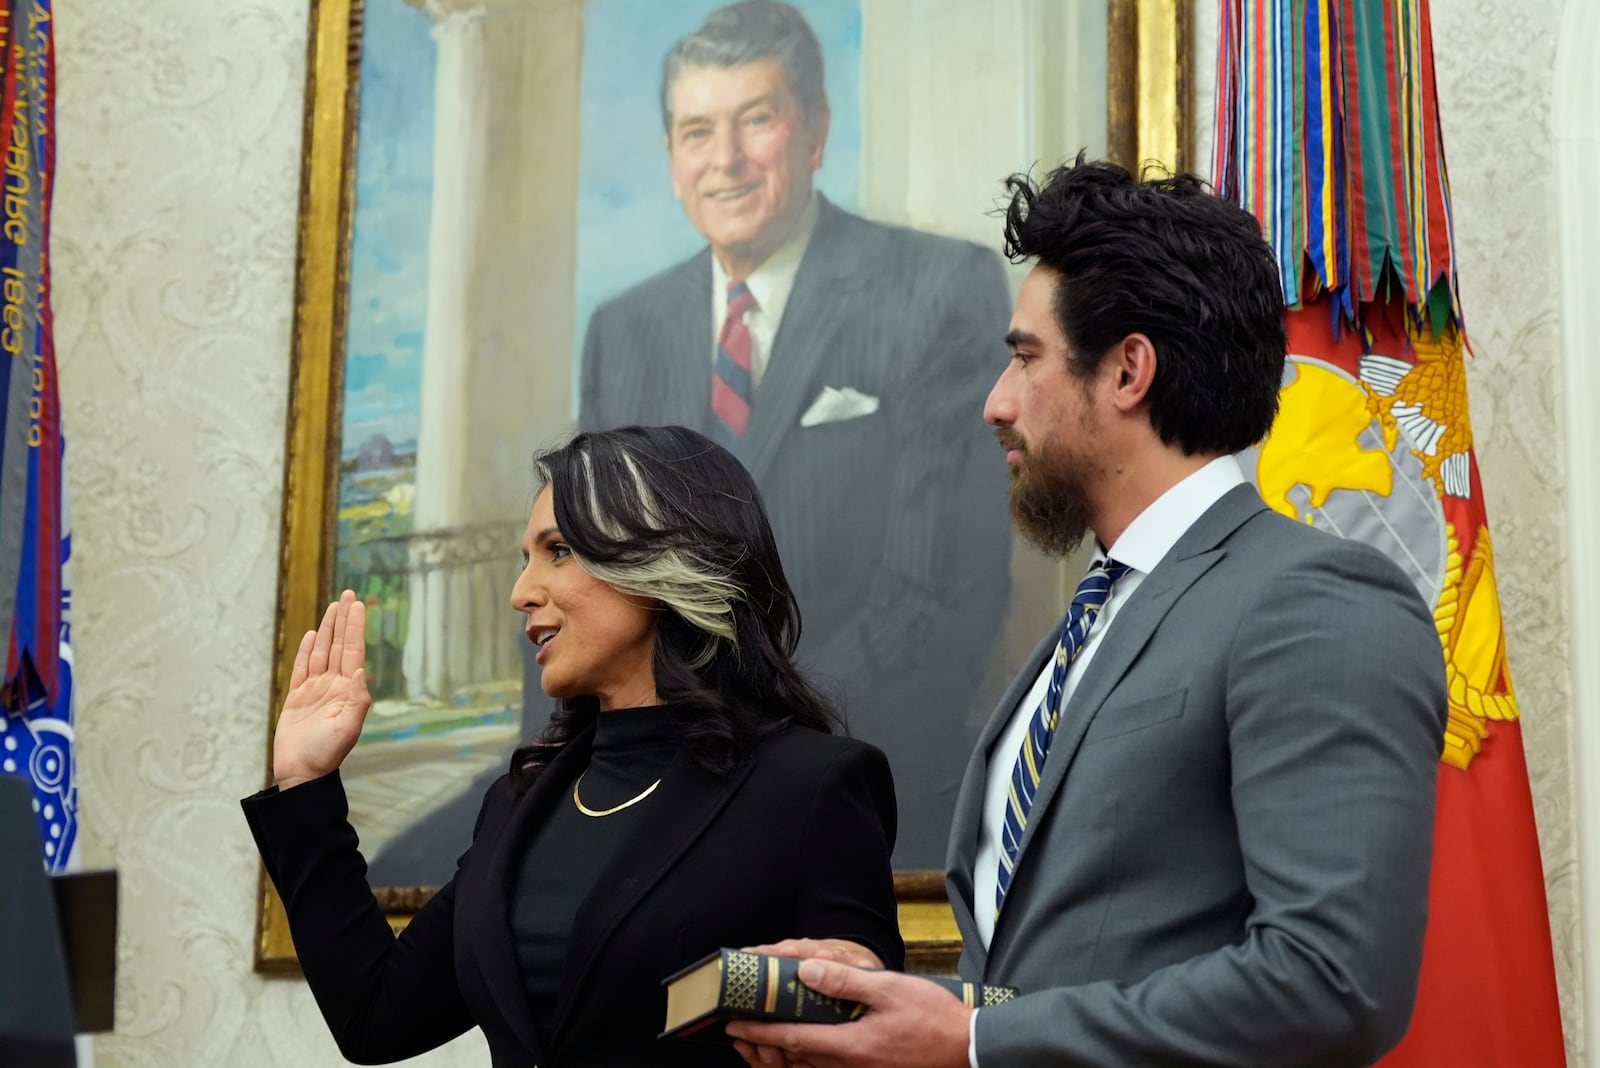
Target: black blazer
x: 795, y: 842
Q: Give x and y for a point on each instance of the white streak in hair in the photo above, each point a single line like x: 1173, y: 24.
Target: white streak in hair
x: 702, y: 596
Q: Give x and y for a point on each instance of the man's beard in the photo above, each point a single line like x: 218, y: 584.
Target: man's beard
x: 1049, y: 498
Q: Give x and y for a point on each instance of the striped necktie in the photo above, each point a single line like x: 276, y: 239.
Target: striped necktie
x: 730, y: 382
x: 1087, y: 602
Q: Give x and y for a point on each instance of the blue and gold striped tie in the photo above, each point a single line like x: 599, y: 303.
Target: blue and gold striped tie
x: 1086, y: 604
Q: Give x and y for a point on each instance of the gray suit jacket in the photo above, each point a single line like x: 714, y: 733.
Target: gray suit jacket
x: 892, y: 527
x: 1227, y: 861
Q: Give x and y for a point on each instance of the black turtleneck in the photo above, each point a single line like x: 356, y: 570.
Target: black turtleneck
x: 565, y: 855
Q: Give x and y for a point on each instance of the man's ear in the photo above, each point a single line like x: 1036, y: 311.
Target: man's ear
x: 1132, y: 371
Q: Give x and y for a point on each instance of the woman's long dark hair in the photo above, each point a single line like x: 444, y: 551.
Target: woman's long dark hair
x: 665, y: 513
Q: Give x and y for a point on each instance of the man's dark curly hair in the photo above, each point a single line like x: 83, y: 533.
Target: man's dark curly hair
x: 1166, y: 258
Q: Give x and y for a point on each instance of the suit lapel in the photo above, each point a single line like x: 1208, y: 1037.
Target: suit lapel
x: 693, y: 799
x: 495, y: 949
x: 1026, y: 677
x: 1196, y: 553
x: 805, y: 338
x: 684, y: 349
x: 966, y: 822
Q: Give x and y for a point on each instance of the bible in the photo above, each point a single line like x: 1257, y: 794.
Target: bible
x: 733, y: 984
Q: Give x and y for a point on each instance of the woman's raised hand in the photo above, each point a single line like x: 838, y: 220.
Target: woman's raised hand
x: 328, y: 699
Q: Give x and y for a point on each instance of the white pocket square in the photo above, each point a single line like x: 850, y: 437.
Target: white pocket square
x: 836, y: 405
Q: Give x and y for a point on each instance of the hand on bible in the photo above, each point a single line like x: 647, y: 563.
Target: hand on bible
x: 909, y: 1023
x: 328, y: 699
x: 835, y: 949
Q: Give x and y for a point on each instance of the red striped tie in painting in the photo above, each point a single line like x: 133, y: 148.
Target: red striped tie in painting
x: 731, y: 382
x: 1328, y: 131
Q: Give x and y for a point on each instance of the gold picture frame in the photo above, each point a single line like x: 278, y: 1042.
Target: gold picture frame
x: 1148, y: 97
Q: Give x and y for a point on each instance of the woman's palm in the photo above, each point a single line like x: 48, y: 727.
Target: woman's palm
x: 328, y: 700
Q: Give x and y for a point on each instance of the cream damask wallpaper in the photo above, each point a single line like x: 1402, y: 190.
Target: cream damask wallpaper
x: 1495, y: 59
x: 175, y: 225
x: 174, y: 247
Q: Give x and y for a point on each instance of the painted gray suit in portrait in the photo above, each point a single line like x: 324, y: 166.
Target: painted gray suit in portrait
x: 866, y: 437
x: 1236, y: 812
x: 892, y: 524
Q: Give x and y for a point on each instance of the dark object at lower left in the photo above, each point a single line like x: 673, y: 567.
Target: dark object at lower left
x: 57, y: 945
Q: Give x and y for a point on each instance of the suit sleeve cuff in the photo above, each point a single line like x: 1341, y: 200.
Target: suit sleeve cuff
x: 972, y: 1039
x: 284, y: 822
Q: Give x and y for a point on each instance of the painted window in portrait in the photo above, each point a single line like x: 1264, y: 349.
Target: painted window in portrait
x: 773, y: 224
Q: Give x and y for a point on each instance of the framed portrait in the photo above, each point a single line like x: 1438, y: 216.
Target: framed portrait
x: 516, y: 222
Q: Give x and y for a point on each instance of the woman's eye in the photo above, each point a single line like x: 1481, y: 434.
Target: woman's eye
x: 559, y: 551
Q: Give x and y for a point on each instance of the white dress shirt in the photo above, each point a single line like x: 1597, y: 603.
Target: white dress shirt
x: 1148, y: 539
x: 771, y: 283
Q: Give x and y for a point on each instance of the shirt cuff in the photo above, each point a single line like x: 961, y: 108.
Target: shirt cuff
x: 972, y: 1039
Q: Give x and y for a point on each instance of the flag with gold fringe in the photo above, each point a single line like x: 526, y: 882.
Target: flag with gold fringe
x: 36, y: 718
x: 1327, y: 129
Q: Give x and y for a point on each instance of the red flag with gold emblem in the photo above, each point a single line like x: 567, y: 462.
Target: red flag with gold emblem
x: 1328, y: 130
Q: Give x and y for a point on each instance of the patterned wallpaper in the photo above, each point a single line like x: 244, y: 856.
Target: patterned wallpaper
x: 174, y: 240
x: 174, y: 245
x: 1494, y: 60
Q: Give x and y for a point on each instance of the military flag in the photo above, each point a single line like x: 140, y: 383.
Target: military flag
x: 1328, y: 131
x: 36, y: 719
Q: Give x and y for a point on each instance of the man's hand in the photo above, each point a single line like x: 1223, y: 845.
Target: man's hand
x: 834, y: 949
x: 910, y: 1023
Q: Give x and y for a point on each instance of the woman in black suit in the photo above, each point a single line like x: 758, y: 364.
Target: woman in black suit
x: 688, y: 795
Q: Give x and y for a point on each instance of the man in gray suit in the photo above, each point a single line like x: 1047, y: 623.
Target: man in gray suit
x: 1197, y: 830
x: 840, y: 360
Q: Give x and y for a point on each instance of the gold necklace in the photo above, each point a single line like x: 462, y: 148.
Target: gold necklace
x: 587, y: 811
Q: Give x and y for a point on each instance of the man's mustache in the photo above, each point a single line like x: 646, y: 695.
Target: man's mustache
x: 1009, y: 439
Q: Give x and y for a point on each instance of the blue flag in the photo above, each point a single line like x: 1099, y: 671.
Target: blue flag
x: 36, y: 721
